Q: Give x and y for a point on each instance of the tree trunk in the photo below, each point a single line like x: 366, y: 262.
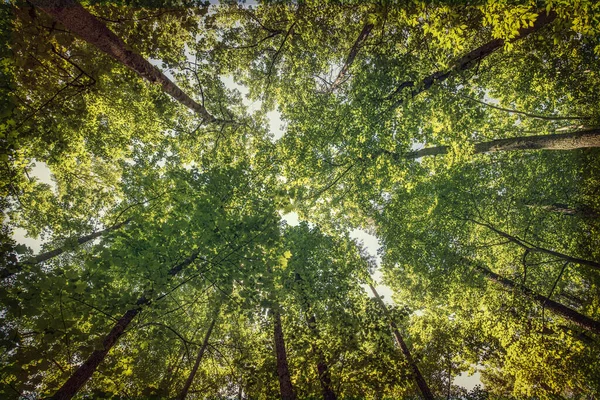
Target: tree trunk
x: 364, y: 34
x: 558, y: 141
x: 190, y: 378
x: 56, y: 252
x: 470, y: 59
x: 566, y: 312
x: 86, y: 370
x: 322, y: 367
x: 79, y: 21
x: 421, y: 383
x: 285, y: 382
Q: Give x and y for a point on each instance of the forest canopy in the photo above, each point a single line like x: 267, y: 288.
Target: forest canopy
x: 153, y: 153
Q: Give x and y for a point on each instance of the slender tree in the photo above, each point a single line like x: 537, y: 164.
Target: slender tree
x: 85, y: 371
x: 188, y: 383
x: 362, y: 37
x: 421, y: 383
x: 78, y: 20
x: 538, y: 249
x: 469, y: 60
x: 322, y: 367
x: 560, y: 309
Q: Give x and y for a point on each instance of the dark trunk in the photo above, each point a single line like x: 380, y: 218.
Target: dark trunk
x: 79, y: 21
x: 469, y: 60
x: 364, y: 34
x: 56, y: 252
x: 285, y: 382
x: 421, y: 383
x: 322, y: 367
x: 201, y: 352
x: 559, y: 141
x: 85, y: 371
x: 566, y: 312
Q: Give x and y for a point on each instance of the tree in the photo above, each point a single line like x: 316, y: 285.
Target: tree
x: 166, y: 269
x: 74, y: 17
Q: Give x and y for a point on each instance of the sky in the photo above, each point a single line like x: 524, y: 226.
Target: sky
x: 277, y: 129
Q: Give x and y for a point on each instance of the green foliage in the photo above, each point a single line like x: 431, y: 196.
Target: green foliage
x: 187, y: 215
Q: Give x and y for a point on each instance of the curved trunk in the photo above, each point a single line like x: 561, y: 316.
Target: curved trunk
x: 421, y: 383
x: 364, y: 34
x: 79, y: 21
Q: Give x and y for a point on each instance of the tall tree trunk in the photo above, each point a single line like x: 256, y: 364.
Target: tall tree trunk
x: 87, y: 369
x: 285, y: 382
x: 364, y: 34
x: 566, y: 312
x: 559, y: 141
x: 421, y: 383
x: 322, y: 367
x: 5, y: 273
x: 79, y: 21
x: 190, y: 378
x: 470, y: 59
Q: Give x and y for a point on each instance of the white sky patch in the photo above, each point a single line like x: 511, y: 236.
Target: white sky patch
x: 291, y: 218
x: 41, y: 171
x: 20, y: 236
x: 468, y: 382
x: 276, y: 125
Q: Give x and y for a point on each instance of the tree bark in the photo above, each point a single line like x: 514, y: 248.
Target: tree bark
x: 322, y: 367
x: 364, y: 34
x: 421, y: 383
x: 56, y: 252
x: 566, y: 312
x: 285, y: 382
x: 87, y: 369
x: 470, y: 59
x: 558, y: 141
x: 79, y: 21
x: 190, y: 378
